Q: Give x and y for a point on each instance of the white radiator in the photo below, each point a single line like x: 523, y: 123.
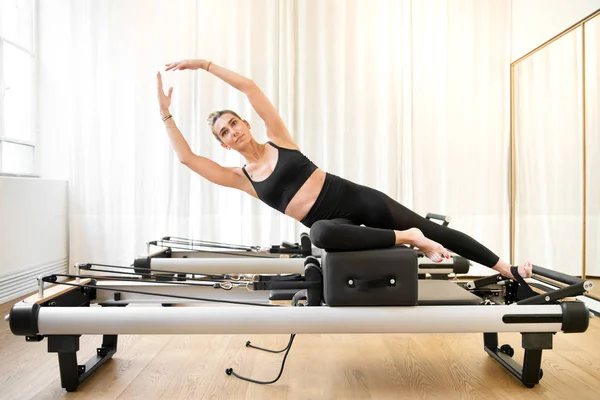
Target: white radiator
x: 34, y: 236
x: 24, y: 282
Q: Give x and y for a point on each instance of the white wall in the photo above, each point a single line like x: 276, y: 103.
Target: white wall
x: 536, y: 21
x: 33, y: 232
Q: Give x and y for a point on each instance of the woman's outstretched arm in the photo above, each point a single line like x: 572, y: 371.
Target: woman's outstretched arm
x: 276, y: 129
x: 180, y: 145
x: 203, y: 166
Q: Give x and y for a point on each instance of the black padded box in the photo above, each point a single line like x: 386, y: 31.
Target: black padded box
x: 382, y: 277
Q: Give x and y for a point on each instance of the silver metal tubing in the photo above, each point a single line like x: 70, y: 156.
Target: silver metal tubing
x: 280, y: 320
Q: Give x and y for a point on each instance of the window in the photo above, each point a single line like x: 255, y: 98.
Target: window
x: 18, y: 62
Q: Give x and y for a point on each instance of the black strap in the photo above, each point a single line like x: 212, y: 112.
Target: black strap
x: 246, y: 173
x: 524, y: 291
x: 274, y: 145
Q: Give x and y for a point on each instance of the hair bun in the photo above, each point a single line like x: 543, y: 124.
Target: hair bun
x: 210, y: 117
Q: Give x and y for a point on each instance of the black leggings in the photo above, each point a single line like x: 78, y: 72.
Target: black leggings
x: 342, y: 206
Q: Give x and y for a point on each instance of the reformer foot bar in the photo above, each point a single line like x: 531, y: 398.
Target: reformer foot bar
x: 348, y: 292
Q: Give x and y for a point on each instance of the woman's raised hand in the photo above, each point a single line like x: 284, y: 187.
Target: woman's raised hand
x: 184, y: 64
x: 164, y: 100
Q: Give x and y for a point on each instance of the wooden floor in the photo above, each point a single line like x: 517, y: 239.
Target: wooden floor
x: 392, y: 366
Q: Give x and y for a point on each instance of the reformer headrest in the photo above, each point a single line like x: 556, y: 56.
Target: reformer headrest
x: 383, y: 277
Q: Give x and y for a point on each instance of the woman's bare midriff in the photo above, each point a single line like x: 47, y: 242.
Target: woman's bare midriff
x: 306, y: 196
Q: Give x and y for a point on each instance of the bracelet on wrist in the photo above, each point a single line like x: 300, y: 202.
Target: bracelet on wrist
x: 166, y: 117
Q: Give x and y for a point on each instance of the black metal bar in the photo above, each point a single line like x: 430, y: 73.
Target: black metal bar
x: 71, y: 373
x: 67, y: 347
x: 558, y: 294
x: 506, y: 361
x: 488, y: 280
x: 490, y: 345
x: 69, y: 370
x: 534, y: 343
x: 555, y: 275
x: 532, y: 373
x: 109, y: 342
x: 490, y: 339
x: 103, y: 354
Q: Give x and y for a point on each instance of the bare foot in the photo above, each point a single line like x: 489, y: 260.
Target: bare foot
x: 432, y: 250
x: 525, y: 270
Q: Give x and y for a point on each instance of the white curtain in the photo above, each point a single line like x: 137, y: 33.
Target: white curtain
x: 409, y: 97
x: 549, y: 151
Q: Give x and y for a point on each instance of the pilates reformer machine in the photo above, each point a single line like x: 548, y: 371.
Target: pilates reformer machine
x: 373, y: 291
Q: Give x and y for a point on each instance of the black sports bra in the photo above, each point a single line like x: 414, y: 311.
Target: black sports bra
x: 291, y: 172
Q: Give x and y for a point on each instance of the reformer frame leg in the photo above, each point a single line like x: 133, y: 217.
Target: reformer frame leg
x: 71, y: 373
x: 530, y: 372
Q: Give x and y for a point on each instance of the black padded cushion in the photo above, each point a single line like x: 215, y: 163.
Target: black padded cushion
x: 382, y: 277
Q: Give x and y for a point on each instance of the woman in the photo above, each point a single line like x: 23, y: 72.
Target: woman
x: 333, y: 208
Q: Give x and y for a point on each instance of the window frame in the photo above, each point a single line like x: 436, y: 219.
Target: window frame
x: 34, y: 143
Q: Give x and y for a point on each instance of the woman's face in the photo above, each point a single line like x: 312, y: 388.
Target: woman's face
x: 233, y: 132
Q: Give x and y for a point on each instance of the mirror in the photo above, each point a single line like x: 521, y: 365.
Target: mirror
x: 548, y: 154
x: 592, y: 145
